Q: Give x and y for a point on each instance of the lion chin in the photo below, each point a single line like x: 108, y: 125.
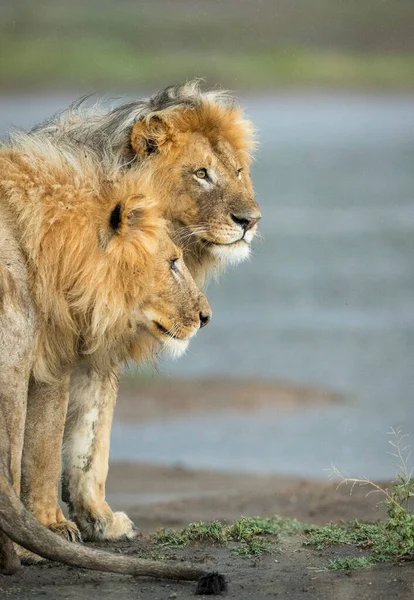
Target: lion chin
x: 173, y: 348
x: 231, y: 254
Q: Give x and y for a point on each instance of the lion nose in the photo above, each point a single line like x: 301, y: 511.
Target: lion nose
x: 205, y: 317
x: 246, y: 221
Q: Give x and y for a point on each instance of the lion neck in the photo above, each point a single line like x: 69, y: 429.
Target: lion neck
x: 201, y: 264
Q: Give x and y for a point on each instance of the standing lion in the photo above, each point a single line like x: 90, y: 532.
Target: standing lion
x: 86, y: 269
x: 194, y: 147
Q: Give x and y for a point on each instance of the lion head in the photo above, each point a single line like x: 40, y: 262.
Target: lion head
x: 174, y: 309
x: 166, y: 301
x: 146, y: 274
x: 196, y: 147
x: 200, y: 164
x: 102, y: 267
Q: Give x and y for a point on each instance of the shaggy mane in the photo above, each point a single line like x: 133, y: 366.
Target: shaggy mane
x: 108, y: 132
x: 86, y: 273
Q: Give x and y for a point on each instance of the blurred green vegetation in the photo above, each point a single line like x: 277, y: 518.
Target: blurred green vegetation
x: 249, y: 44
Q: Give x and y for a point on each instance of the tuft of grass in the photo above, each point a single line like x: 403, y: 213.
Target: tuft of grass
x: 387, y: 540
x: 350, y: 563
x: 253, y: 547
x: 209, y: 531
x: 246, y: 527
x: 381, y: 543
x: 253, y: 535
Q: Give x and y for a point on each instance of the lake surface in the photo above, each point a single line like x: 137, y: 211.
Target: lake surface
x: 326, y: 299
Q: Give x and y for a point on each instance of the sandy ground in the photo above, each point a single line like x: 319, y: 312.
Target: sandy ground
x: 154, y: 398
x: 158, y: 496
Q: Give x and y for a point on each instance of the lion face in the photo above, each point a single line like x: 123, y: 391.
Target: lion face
x: 201, y: 168
x: 163, y: 297
x: 175, y: 309
x: 214, y: 202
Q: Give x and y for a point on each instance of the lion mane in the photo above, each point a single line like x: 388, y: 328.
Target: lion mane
x: 90, y: 245
x: 130, y: 136
x: 108, y: 132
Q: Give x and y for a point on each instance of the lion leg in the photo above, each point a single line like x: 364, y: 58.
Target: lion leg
x: 17, y: 342
x: 13, y: 399
x: 86, y: 455
x: 42, y: 450
x: 12, y: 413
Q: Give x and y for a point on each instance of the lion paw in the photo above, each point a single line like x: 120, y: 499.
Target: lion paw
x: 27, y: 557
x: 99, y: 527
x: 68, y: 530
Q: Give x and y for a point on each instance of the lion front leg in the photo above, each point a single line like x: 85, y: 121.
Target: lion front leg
x: 86, y: 455
x: 42, y: 450
x: 13, y: 395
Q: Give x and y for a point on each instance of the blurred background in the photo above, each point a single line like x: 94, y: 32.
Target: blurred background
x: 309, y: 358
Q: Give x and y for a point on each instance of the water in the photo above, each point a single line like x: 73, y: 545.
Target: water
x: 327, y: 298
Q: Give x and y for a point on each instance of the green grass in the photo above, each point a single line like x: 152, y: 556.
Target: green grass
x: 246, y: 527
x: 253, y: 536
x: 383, y: 541
x: 210, y: 531
x: 114, y: 63
x: 378, y: 539
x: 114, y: 45
x: 253, y: 547
x: 350, y: 563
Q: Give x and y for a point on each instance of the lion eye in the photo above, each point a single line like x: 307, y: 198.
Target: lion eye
x: 238, y: 173
x: 173, y: 264
x: 201, y: 173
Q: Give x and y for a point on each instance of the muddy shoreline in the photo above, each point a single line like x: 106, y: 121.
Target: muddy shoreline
x: 293, y: 571
x: 159, y: 496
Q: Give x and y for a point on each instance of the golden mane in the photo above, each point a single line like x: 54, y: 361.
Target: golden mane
x: 126, y: 138
x: 107, y: 130
x: 85, y: 272
x: 213, y: 121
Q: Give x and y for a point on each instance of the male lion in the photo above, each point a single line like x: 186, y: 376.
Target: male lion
x: 86, y: 268
x: 194, y: 146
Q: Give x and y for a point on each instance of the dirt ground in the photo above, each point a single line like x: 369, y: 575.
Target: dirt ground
x: 208, y: 495
x: 155, y: 397
x: 293, y: 571
x: 158, y: 496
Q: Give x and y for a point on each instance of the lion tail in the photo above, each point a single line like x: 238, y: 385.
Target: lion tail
x: 22, y: 527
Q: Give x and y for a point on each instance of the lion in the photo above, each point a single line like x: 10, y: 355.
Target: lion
x: 195, y: 147
x: 86, y: 269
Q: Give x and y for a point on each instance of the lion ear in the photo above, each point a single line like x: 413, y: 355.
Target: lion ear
x: 115, y: 218
x: 127, y: 215
x: 150, y: 136
x: 136, y: 216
